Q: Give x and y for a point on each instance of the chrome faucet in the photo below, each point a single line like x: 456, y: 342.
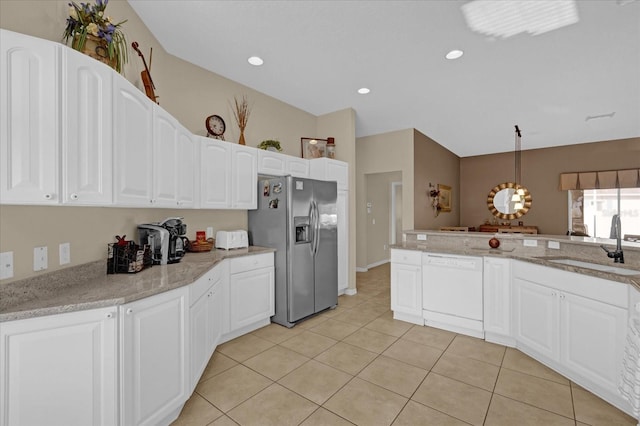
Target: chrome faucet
x: 616, y: 232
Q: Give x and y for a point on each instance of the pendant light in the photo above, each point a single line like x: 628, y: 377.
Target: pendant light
x: 518, y: 195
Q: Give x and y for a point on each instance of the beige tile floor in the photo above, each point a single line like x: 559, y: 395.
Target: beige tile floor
x: 357, y: 365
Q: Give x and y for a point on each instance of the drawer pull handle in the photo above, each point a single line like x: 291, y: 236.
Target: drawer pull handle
x: 109, y: 315
x: 74, y: 196
x: 48, y: 196
x: 129, y: 311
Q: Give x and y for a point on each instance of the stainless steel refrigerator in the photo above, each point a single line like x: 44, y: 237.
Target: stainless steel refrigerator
x: 299, y: 218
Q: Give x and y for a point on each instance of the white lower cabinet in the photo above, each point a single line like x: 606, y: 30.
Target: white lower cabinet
x: 581, y: 336
x: 154, y: 358
x: 497, y: 301
x: 406, y: 285
x: 206, y: 310
x: 60, y: 369
x: 251, y: 294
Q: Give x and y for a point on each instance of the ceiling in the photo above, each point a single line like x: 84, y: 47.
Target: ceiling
x: 318, y: 53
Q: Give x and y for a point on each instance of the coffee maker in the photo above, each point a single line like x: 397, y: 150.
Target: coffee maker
x: 166, y: 240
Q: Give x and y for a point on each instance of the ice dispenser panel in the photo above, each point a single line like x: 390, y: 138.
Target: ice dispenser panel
x: 302, y: 229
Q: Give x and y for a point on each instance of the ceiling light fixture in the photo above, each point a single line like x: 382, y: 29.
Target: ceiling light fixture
x: 363, y: 90
x: 507, y: 18
x: 255, y: 61
x: 454, y: 54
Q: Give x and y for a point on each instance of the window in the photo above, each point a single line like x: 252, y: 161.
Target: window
x: 591, y: 211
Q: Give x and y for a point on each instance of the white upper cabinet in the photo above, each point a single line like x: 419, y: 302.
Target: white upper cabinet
x: 29, y: 119
x: 244, y: 170
x: 229, y: 175
x: 328, y: 169
x: 174, y: 162
x: 215, y: 185
x: 133, y: 137
x: 87, y: 130
x: 277, y: 164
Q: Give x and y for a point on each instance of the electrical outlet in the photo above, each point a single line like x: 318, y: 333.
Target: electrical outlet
x: 553, y: 245
x: 373, y: 221
x: 422, y: 237
x: 6, y: 265
x: 40, y: 261
x: 64, y: 250
x: 209, y: 232
x: 385, y: 247
x: 530, y: 243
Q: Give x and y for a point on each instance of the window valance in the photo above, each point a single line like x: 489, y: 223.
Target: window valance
x: 606, y: 179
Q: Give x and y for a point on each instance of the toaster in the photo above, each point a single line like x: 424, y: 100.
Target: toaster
x: 232, y: 239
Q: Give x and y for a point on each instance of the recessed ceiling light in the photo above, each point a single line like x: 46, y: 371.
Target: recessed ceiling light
x: 363, y: 90
x: 454, y: 54
x: 256, y: 61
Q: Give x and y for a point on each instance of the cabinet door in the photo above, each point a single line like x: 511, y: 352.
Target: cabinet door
x: 251, y: 297
x: 497, y: 296
x: 165, y: 164
x: 536, y: 317
x: 244, y: 171
x: 29, y: 119
x: 271, y: 163
x: 87, y: 131
x: 215, y: 184
x: 133, y: 140
x: 60, y: 369
x: 406, y: 289
x: 154, y: 375
x: 593, y: 338
x: 297, y: 167
x: 188, y: 169
x: 200, y: 337
x: 342, y: 205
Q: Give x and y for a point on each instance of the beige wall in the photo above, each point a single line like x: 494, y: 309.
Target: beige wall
x: 378, y: 187
x: 541, y: 170
x: 387, y: 152
x: 190, y: 94
x: 436, y: 164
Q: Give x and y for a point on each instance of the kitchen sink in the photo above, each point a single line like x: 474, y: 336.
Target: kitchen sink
x: 596, y: 266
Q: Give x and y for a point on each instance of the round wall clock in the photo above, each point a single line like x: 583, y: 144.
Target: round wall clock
x: 215, y: 126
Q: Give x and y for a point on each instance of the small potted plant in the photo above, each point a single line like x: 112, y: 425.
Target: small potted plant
x: 93, y: 33
x: 270, y: 145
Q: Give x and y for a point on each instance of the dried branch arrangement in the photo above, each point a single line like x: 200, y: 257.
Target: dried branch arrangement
x: 241, y: 112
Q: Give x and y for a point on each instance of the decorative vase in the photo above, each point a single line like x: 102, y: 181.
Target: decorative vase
x: 241, y: 141
x: 95, y: 47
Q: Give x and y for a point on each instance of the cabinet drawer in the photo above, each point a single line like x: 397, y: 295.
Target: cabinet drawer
x: 200, y: 286
x: 248, y: 263
x: 409, y: 257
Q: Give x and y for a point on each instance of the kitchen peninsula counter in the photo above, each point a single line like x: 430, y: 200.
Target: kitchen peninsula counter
x: 88, y: 286
x: 512, y: 247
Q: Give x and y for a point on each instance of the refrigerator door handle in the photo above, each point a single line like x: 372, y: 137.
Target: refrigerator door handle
x: 317, y: 236
x: 314, y: 228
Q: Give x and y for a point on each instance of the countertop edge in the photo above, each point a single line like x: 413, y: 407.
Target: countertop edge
x: 87, y: 286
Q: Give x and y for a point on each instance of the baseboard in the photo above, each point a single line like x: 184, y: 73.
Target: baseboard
x: 351, y: 291
x: 358, y: 269
x: 382, y: 262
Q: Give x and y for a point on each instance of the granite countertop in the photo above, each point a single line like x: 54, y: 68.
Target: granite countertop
x: 88, y: 286
x: 537, y: 258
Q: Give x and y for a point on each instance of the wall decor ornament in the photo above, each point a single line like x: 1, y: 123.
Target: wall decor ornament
x: 435, y: 199
x: 241, y: 112
x: 94, y: 33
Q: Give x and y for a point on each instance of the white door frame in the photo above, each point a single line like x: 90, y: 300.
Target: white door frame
x: 395, y: 187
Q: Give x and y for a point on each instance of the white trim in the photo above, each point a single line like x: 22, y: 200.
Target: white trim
x: 381, y: 262
x: 392, y: 212
x: 351, y: 291
x: 359, y: 269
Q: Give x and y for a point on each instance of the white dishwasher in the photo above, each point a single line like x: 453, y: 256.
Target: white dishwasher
x: 452, y: 293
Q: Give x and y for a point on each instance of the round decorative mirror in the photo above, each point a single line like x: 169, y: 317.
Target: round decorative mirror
x: 509, y: 201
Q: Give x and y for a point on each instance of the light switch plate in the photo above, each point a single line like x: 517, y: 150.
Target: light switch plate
x: 422, y: 237
x: 530, y: 243
x: 64, y: 250
x: 6, y: 265
x: 40, y: 261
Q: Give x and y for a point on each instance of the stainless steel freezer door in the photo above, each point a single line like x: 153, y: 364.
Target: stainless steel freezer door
x: 326, y: 257
x: 301, y: 284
